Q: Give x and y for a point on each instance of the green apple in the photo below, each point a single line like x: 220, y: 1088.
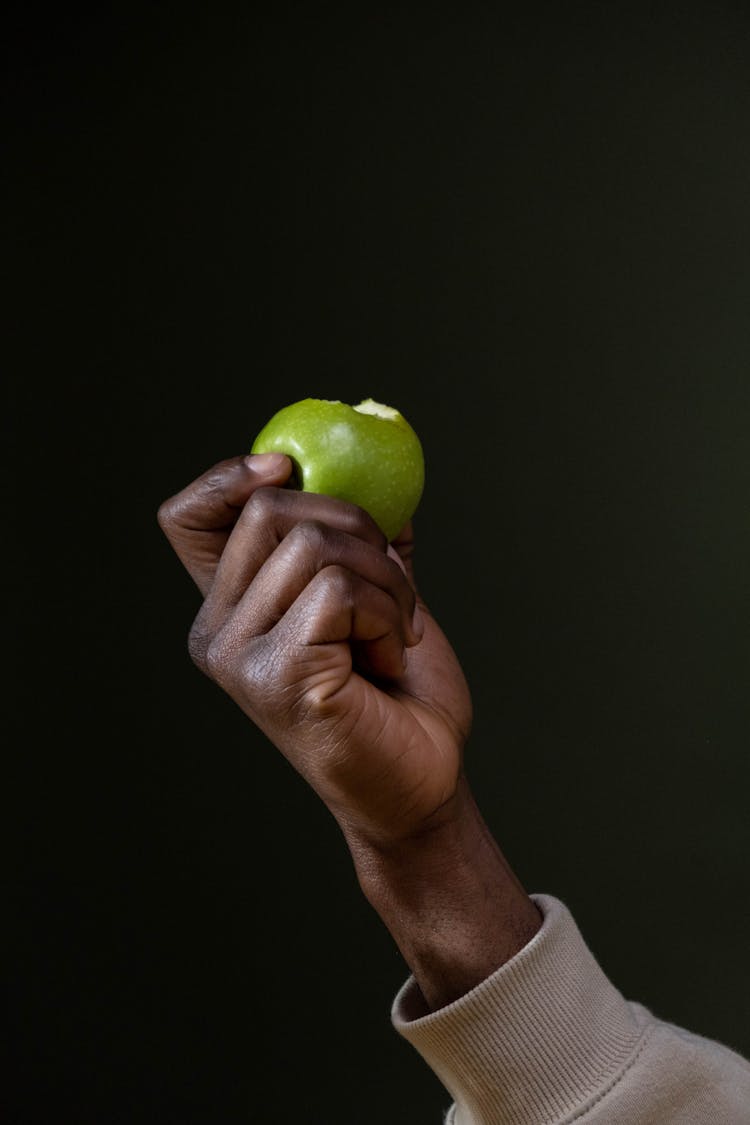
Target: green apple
x: 367, y: 454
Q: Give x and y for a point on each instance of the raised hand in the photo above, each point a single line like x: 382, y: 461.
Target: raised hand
x: 312, y: 624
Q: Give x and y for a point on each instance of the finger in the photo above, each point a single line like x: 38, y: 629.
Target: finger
x: 198, y: 520
x: 310, y: 654
x: 309, y: 548
x: 266, y: 520
x: 340, y: 610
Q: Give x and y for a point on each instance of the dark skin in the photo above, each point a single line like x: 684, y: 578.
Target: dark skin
x: 312, y: 623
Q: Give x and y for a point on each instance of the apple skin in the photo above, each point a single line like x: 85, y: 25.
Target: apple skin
x: 353, y: 453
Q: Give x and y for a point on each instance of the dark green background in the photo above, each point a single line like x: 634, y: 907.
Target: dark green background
x: 531, y: 232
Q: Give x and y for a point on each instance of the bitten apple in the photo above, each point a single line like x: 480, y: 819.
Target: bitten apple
x: 367, y: 454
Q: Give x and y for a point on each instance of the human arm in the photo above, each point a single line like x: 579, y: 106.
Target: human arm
x: 306, y: 619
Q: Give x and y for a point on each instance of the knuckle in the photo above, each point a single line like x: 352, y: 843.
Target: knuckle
x: 262, y: 672
x: 198, y: 644
x: 263, y: 503
x: 310, y: 536
x: 338, y: 583
x: 165, y: 514
x: 365, y: 527
x: 217, y: 659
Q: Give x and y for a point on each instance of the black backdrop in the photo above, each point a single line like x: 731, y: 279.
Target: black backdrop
x: 531, y: 233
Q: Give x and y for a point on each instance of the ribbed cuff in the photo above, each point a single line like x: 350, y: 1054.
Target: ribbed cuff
x: 540, y: 1038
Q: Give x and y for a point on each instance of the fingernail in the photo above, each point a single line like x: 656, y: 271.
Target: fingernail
x: 417, y: 622
x: 266, y: 464
x: 393, y: 554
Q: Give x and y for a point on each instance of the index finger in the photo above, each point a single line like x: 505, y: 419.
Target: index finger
x: 198, y: 520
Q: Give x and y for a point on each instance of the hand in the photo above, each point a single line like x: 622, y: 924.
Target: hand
x: 311, y: 622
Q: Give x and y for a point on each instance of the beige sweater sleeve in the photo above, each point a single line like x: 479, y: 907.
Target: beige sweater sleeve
x: 548, y: 1039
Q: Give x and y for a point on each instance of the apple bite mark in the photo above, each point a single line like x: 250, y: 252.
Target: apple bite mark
x: 378, y: 409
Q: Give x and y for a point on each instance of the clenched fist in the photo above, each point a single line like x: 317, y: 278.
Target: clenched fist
x: 312, y: 624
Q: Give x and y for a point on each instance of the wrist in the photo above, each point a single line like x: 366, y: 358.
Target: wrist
x: 449, y: 898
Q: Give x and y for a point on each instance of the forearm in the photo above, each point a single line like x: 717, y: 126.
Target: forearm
x: 452, y: 904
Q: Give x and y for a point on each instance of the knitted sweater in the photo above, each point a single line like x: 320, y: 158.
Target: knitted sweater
x: 548, y: 1039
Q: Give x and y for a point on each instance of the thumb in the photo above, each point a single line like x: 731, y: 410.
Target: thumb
x: 198, y: 520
